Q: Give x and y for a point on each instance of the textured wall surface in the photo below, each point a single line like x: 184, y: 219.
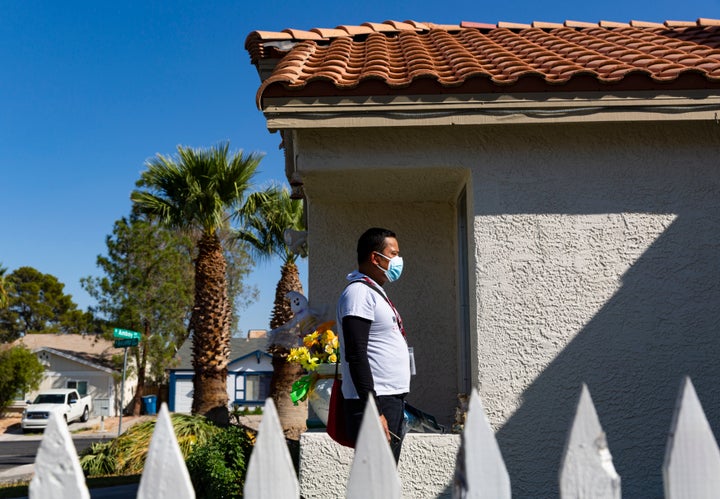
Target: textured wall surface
x: 341, y: 206
x: 426, y: 467
x: 595, y: 259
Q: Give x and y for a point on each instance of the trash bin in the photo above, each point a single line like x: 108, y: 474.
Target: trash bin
x: 150, y: 404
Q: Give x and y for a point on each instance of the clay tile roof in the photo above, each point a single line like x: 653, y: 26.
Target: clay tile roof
x: 303, y: 35
x: 679, y: 24
x: 330, y: 33
x: 512, y: 25
x: 544, y: 25
x: 412, y: 58
x: 356, y: 30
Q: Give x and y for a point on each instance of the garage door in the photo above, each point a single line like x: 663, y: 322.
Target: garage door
x: 183, y: 395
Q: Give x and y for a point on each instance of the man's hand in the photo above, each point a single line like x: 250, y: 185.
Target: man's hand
x: 383, y: 423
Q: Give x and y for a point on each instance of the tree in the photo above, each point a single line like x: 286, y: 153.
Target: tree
x: 196, y: 190
x: 147, y: 286
x: 20, y: 372
x: 3, y: 287
x: 265, y: 216
x: 37, y: 304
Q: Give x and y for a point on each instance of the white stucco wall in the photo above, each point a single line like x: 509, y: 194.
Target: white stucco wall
x: 594, y: 260
x: 426, y: 466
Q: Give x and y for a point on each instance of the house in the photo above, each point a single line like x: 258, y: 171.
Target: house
x: 555, y: 188
x: 249, y: 373
x: 84, y: 362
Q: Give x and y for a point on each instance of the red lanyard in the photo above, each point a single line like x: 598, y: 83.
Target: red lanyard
x: 369, y: 282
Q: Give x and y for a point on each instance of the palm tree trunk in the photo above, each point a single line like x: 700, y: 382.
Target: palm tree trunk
x: 210, y: 329
x: 292, y: 417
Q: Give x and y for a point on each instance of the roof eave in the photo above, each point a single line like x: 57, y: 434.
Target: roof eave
x: 484, y: 109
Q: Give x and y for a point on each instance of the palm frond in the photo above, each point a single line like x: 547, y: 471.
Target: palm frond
x: 195, y: 188
x: 263, y: 219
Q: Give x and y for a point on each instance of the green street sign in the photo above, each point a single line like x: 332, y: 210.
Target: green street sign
x: 126, y: 342
x: 126, y: 334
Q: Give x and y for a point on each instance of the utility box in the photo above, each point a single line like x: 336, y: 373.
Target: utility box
x: 101, y: 407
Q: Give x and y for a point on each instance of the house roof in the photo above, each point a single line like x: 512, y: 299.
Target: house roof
x: 413, y: 58
x: 239, y: 347
x: 85, y: 348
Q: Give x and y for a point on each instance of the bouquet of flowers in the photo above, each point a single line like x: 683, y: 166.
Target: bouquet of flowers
x: 319, y: 347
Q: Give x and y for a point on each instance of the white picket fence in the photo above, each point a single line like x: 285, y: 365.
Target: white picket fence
x: 691, y: 468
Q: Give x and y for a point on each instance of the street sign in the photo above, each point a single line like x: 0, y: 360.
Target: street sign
x: 126, y: 334
x: 126, y: 342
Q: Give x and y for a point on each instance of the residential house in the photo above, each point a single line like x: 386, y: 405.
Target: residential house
x: 249, y: 373
x: 555, y: 188
x: 85, y: 362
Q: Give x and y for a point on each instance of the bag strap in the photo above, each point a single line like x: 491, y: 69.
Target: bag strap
x: 367, y: 282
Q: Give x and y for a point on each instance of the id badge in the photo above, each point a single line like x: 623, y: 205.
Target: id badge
x: 411, y: 354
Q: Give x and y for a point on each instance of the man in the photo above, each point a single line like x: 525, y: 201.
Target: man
x: 374, y: 353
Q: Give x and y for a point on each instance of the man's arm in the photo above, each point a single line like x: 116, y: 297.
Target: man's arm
x: 356, y: 332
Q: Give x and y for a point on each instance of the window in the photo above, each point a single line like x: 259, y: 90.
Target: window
x: 257, y: 387
x: 80, y: 386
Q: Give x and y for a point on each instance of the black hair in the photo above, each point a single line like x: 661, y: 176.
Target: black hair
x: 372, y: 240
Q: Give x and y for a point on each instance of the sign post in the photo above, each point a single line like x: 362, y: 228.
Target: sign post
x: 124, y: 338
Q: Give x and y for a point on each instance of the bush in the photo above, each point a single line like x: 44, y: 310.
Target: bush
x: 20, y: 372
x: 126, y: 454
x: 217, y: 469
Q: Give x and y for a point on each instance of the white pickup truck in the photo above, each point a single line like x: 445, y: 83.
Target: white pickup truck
x: 66, y: 402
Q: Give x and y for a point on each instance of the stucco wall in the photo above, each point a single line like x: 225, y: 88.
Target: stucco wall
x: 424, y: 295
x: 426, y: 466
x: 595, y: 257
x: 597, y: 254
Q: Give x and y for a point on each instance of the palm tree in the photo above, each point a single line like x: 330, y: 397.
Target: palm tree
x: 196, y: 191
x: 265, y: 216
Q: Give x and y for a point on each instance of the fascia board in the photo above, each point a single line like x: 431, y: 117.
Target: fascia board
x: 334, y: 112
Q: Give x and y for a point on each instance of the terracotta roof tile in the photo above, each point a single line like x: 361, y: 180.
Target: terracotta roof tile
x: 411, y: 57
x: 544, y: 25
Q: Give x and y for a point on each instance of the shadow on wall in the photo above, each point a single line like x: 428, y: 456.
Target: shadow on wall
x: 663, y: 323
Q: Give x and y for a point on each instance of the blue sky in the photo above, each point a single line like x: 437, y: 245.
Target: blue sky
x: 91, y: 89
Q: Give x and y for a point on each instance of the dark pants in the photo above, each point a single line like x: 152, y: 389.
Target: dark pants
x: 390, y: 406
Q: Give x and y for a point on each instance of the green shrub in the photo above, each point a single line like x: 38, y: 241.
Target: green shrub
x: 126, y: 454
x: 217, y: 468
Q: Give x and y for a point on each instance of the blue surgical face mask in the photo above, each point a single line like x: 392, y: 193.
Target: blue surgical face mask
x: 395, y: 267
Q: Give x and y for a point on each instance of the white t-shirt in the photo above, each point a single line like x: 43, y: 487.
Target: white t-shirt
x: 387, y: 349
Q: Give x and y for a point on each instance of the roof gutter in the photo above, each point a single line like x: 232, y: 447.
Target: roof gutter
x: 489, y: 109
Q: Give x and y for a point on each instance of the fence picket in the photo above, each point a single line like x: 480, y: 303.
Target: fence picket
x: 691, y: 469
x: 57, y: 467
x: 373, y: 474
x: 692, y: 458
x: 480, y: 469
x: 587, y: 469
x: 270, y: 472
x: 165, y: 474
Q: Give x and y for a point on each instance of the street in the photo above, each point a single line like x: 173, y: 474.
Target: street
x: 19, y: 452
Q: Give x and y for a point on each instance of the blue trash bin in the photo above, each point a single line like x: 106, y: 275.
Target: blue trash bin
x: 150, y: 404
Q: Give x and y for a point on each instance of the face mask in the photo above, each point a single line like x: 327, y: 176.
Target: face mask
x: 395, y: 267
